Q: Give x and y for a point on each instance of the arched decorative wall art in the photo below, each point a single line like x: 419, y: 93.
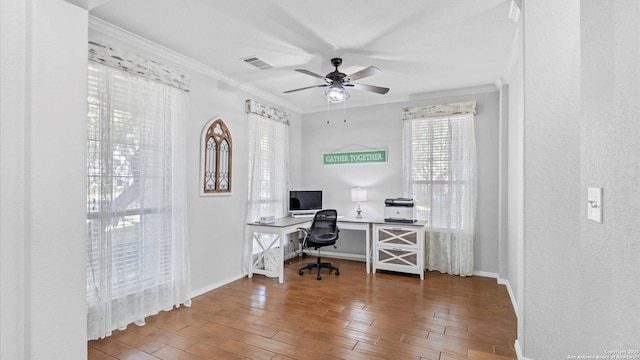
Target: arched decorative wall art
x: 215, y: 162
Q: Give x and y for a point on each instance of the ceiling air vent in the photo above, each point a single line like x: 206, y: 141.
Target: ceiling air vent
x: 257, y: 62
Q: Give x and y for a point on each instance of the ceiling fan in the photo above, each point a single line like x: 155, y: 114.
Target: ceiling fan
x: 337, y: 81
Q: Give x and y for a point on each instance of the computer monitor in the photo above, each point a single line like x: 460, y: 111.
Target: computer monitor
x: 305, y: 200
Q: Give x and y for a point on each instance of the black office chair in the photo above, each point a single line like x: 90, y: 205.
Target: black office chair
x: 323, y: 232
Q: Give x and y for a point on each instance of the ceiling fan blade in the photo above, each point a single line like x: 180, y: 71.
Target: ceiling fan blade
x: 309, y: 73
x: 371, y: 70
x: 304, y: 88
x: 370, y: 88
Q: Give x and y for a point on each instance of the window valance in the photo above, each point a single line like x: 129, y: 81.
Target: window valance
x: 460, y: 108
x: 255, y: 107
x: 134, y: 64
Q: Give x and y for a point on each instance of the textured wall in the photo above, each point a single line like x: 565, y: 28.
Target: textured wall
x: 610, y: 147
x: 552, y: 196
x: 582, y: 129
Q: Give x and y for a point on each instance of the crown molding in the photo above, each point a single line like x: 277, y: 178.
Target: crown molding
x: 87, y: 4
x: 515, y: 10
x: 355, y: 104
x: 464, y: 91
x: 151, y: 47
x: 515, y: 55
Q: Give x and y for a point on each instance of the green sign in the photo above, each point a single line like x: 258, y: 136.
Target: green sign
x: 355, y: 157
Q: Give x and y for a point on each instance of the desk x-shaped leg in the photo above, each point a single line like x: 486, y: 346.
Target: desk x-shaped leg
x: 256, y: 238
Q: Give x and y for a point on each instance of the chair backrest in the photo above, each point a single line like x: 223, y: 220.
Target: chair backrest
x: 324, y: 229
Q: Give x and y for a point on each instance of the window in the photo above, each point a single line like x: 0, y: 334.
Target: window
x: 216, y: 144
x: 268, y: 167
x: 268, y: 184
x: 137, y: 260
x: 439, y: 173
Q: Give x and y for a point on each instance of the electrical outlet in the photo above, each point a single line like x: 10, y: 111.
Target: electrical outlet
x: 594, y: 204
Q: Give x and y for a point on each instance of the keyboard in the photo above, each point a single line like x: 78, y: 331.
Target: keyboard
x: 303, y: 215
x: 309, y: 216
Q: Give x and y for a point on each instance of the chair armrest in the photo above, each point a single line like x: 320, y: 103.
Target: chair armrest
x: 305, y: 237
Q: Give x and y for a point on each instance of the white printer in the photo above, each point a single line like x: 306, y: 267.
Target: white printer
x: 399, y: 210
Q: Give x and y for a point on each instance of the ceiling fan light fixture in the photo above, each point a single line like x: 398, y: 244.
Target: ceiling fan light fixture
x: 336, y: 94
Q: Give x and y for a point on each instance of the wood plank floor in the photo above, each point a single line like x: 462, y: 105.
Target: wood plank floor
x: 351, y: 316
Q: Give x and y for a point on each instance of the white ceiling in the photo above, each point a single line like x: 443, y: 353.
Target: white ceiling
x: 420, y: 45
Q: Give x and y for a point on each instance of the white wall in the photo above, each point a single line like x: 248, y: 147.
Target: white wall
x: 609, y: 258
x: 514, y: 243
x: 13, y: 113
x: 43, y: 161
x: 552, y: 198
x: 380, y: 127
x: 582, y: 129
x: 215, y: 223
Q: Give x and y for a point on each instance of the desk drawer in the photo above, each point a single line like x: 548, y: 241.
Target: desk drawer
x: 400, y: 260
x: 398, y: 236
x: 397, y: 256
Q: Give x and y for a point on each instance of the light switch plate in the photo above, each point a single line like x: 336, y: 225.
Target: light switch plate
x: 594, y: 204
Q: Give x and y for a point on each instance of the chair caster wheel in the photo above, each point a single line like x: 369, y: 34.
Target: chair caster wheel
x: 318, y: 277
x: 300, y: 272
x: 337, y: 272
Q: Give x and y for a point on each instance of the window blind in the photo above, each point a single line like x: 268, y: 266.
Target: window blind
x: 436, y: 181
x: 440, y: 175
x: 136, y: 239
x: 268, y: 183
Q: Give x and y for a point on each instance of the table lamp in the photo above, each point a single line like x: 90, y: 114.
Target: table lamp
x: 358, y: 195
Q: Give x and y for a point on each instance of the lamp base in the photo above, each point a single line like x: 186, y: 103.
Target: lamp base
x: 359, y: 216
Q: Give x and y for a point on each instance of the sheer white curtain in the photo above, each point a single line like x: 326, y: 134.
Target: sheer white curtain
x: 440, y: 175
x: 268, y: 172
x: 137, y: 251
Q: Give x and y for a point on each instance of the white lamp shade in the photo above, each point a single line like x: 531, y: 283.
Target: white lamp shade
x: 358, y: 194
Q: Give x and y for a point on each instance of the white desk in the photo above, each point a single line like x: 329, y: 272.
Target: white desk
x: 360, y: 224
x: 288, y: 225
x: 393, y: 246
x: 280, y: 227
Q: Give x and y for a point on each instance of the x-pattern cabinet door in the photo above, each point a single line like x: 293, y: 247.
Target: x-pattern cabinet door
x: 399, y: 247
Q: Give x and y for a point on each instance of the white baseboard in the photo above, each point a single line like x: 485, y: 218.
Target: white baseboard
x: 214, y: 286
x: 512, y: 296
x: 485, y: 274
x: 347, y: 256
x: 330, y: 254
x: 516, y: 345
x: 500, y: 281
